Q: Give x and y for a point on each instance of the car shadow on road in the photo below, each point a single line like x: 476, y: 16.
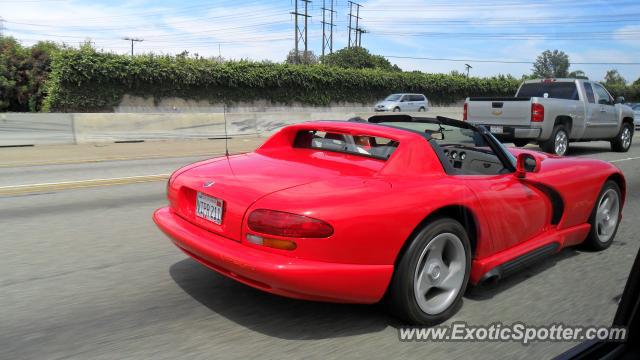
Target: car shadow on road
x: 274, y: 315
x: 488, y: 291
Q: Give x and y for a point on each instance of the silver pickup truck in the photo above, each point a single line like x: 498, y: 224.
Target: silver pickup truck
x: 553, y: 112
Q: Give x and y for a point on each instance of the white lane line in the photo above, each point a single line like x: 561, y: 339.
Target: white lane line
x: 625, y: 159
x: 104, y: 180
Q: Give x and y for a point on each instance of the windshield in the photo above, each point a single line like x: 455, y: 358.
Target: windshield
x: 468, y: 150
x: 394, y: 97
x: 636, y: 107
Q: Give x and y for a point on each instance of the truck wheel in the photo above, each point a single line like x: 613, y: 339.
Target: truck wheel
x: 622, y: 142
x: 520, y: 143
x: 432, y: 274
x: 558, y: 143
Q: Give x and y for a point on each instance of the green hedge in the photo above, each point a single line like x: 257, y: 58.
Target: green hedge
x: 86, y: 80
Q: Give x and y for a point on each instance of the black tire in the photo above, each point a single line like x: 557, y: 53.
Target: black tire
x: 396, y: 109
x: 401, y: 295
x: 422, y: 109
x: 520, y: 143
x: 594, y: 241
x: 549, y: 145
x: 620, y: 142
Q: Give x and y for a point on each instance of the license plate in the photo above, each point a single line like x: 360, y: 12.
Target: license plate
x: 496, y: 129
x: 209, y: 208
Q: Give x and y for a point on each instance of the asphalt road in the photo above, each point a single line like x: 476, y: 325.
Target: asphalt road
x: 87, y: 275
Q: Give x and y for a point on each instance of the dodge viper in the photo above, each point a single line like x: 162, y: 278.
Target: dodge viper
x: 406, y: 210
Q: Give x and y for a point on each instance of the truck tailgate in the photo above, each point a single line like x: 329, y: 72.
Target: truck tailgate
x: 499, y: 111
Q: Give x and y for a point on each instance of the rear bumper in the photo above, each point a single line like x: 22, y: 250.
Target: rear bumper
x: 512, y: 132
x: 274, y: 273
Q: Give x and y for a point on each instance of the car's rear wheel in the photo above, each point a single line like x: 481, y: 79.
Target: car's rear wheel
x: 432, y: 274
x: 622, y: 142
x: 396, y: 109
x: 558, y: 143
x: 605, y: 217
x: 422, y: 109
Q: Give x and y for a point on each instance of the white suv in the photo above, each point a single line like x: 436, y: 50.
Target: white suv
x: 403, y: 102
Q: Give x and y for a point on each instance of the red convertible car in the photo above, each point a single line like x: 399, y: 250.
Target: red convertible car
x: 409, y: 210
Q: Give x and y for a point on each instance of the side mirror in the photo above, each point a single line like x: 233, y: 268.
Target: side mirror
x: 526, y: 163
x: 620, y: 100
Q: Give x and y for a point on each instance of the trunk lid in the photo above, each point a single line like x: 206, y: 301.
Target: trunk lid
x: 241, y: 180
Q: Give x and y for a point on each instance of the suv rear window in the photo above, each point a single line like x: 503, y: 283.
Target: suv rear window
x: 362, y: 145
x: 555, y: 90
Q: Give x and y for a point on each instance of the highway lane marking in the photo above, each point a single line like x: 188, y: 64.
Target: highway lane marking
x: 625, y: 159
x: 88, y: 161
x: 78, y: 184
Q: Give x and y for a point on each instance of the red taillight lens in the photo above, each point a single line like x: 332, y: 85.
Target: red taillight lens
x: 537, y: 112
x: 288, y: 225
x: 464, y: 112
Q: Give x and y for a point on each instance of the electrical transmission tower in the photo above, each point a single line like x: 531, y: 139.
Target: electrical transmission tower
x: 301, y: 33
x: 327, y: 40
x: 132, y: 41
x: 355, y: 30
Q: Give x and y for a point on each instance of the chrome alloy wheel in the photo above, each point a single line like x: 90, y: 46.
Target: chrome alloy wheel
x: 561, y: 142
x: 440, y: 273
x: 607, y: 215
x: 625, y: 136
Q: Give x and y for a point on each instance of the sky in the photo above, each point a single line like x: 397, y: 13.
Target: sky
x: 410, y: 33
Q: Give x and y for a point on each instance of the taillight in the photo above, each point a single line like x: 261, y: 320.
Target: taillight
x: 537, y: 112
x: 464, y: 112
x: 285, y: 224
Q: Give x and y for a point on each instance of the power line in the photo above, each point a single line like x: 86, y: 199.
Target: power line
x: 357, y: 18
x: 132, y: 41
x: 327, y: 41
x: 300, y: 34
x: 503, y: 61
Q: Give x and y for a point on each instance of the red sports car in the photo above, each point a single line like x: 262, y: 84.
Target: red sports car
x: 405, y: 209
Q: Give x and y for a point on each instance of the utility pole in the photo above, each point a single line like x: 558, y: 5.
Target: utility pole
x: 468, y: 67
x: 132, y: 41
x: 357, y: 17
x: 301, y: 34
x: 327, y: 40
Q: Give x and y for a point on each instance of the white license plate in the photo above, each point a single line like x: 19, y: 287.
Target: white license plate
x: 209, y: 208
x: 496, y: 129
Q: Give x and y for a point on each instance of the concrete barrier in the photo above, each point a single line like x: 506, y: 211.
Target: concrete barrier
x: 36, y: 129
x: 31, y: 129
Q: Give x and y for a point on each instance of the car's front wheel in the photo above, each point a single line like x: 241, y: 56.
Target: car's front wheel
x: 396, y: 109
x: 432, y: 274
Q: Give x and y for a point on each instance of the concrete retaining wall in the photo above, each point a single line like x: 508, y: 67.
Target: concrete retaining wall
x: 37, y: 129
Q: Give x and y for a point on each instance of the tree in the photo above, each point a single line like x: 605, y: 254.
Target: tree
x: 358, y: 58
x: 23, y: 72
x: 613, y: 78
x: 302, y: 57
x: 578, y: 74
x: 551, y: 64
